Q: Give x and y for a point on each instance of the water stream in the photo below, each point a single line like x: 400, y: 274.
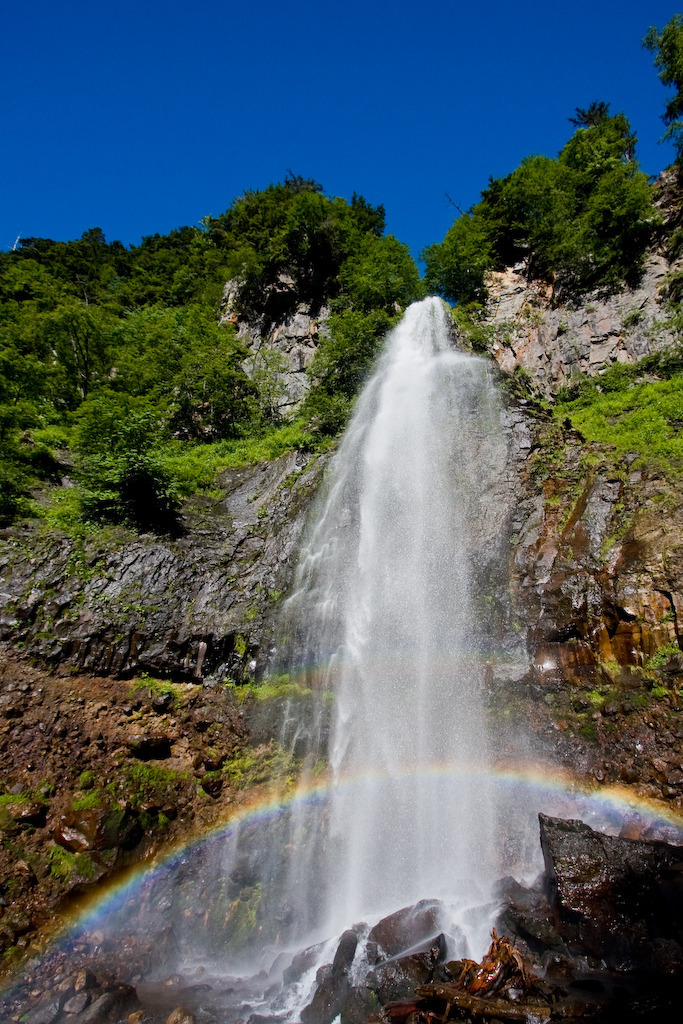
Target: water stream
x: 399, y: 623
x: 387, y: 616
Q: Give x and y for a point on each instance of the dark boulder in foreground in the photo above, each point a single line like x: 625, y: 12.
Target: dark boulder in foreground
x: 619, y: 900
x: 407, y: 928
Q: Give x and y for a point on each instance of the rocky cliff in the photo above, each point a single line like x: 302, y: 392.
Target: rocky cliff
x: 585, y: 608
x: 556, y: 343
x: 120, y: 603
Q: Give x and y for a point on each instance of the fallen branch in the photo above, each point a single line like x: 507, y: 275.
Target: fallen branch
x: 477, y: 1006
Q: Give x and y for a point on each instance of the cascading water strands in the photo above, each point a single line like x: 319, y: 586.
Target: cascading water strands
x: 388, y: 587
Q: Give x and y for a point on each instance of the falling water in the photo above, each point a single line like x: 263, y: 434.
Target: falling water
x: 396, y: 623
x: 389, y: 613
x: 399, y: 622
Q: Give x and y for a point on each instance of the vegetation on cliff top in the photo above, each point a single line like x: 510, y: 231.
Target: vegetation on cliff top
x: 581, y: 220
x: 115, y: 371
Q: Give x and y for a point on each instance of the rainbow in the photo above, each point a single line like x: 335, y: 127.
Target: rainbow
x: 546, y: 788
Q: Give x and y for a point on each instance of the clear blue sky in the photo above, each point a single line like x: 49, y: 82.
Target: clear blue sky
x: 138, y: 116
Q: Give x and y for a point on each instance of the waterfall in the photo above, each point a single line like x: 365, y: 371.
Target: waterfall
x: 398, y: 625
x: 389, y: 615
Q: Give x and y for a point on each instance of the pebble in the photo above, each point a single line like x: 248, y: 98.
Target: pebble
x: 180, y: 1016
x: 77, y: 1003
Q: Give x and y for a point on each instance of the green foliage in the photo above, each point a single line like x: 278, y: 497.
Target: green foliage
x: 288, y: 243
x: 145, y: 784
x: 113, y: 358
x: 581, y: 220
x: 662, y: 656
x: 457, y: 267
x: 194, y: 467
x: 117, y: 444
x: 274, y: 688
x: 65, y: 865
x: 379, y: 275
x: 86, y: 802
x: 341, y: 364
x: 633, y: 415
x: 212, y: 397
x: 261, y: 764
x: 243, y: 919
x: 667, y: 46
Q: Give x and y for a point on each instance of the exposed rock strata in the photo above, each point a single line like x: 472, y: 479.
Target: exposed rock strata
x: 295, y: 340
x: 554, y: 343
x: 176, y: 608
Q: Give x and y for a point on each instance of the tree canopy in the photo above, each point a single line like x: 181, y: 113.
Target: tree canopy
x: 581, y: 220
x: 667, y: 46
x: 111, y: 357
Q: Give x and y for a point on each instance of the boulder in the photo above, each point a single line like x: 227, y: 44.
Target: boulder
x: 333, y: 984
x: 397, y: 979
x: 301, y: 963
x: 611, y: 897
x: 148, y: 747
x: 409, y: 927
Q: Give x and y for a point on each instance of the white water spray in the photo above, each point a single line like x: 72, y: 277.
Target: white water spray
x: 390, y: 605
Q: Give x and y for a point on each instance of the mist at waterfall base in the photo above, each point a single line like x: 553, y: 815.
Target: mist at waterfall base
x: 396, y: 624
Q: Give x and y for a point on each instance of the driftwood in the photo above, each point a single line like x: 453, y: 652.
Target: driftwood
x: 478, y: 1006
x: 476, y: 989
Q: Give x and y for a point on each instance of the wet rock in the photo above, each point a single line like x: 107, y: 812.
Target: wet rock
x: 213, y: 785
x: 527, y: 915
x: 327, y: 1002
x: 120, y: 999
x: 301, y: 963
x: 99, y: 829
x: 333, y: 983
x: 77, y: 1003
x: 18, y: 922
x: 407, y: 927
x: 611, y: 897
x: 30, y: 812
x: 359, y: 1004
x: 162, y: 701
x: 346, y: 950
x: 46, y: 1013
x: 80, y: 830
x: 84, y: 980
x: 180, y: 1016
x: 397, y: 979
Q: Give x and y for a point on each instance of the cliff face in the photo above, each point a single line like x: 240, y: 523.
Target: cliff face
x: 596, y: 544
x: 555, y: 340
x: 121, y: 603
x: 584, y: 600
x: 554, y: 343
x: 286, y: 349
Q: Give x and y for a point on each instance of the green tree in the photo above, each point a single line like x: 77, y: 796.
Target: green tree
x: 341, y: 365
x: 119, y: 463
x: 667, y: 46
x: 591, y: 116
x: 79, y: 335
x: 380, y: 274
x: 267, y: 367
x: 580, y: 221
x: 212, y: 396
